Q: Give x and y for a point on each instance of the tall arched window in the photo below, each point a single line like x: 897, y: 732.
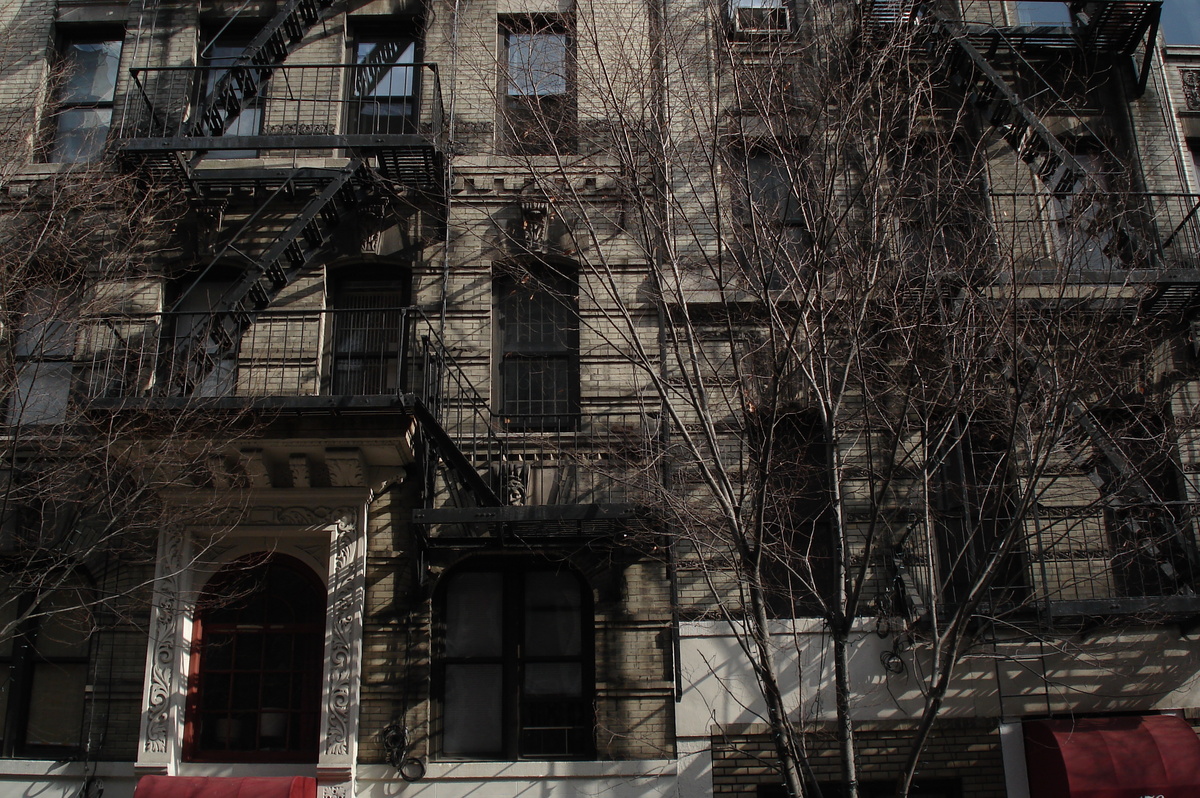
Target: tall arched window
x: 517, y: 667
x: 255, y: 686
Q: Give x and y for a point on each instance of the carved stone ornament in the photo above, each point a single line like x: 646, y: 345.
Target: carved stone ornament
x: 1191, y: 88
x: 344, y: 634
x: 164, y: 633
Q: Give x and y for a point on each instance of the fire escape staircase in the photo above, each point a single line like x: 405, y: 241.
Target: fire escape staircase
x: 980, y: 58
x: 332, y: 195
x: 265, y: 52
x: 977, y: 55
x: 467, y: 458
x: 275, y: 242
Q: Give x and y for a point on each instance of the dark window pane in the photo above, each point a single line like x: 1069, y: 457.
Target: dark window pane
x: 56, y: 701
x: 544, y: 679
x: 472, y: 723
x: 474, y: 615
x: 552, y: 607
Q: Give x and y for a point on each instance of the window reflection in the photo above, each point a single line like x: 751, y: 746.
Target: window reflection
x: 84, y: 106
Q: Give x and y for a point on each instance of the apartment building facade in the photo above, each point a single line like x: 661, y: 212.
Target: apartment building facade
x: 506, y: 312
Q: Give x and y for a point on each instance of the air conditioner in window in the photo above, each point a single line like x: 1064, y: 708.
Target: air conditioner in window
x: 757, y: 19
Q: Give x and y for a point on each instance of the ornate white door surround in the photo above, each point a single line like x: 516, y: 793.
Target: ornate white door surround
x: 342, y: 517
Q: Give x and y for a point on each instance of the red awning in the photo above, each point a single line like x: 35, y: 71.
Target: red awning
x: 232, y: 787
x: 1130, y: 757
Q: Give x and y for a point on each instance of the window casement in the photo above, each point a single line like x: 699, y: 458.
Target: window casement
x: 255, y: 682
x: 974, y: 508
x: 82, y: 110
x: 771, y: 237
x: 368, y: 332
x: 796, y: 548
x: 218, y: 57
x: 516, y: 666
x: 1152, y: 551
x: 1087, y: 234
x: 383, y: 84
x: 196, y: 365
x: 44, y: 673
x: 758, y: 18
x: 537, y: 323
x: 44, y: 357
x: 537, y: 86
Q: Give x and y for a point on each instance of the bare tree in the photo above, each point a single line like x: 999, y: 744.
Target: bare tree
x: 880, y: 364
x: 83, y: 476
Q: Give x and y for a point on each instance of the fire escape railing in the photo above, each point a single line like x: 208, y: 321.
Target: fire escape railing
x: 307, y: 108
x: 283, y: 354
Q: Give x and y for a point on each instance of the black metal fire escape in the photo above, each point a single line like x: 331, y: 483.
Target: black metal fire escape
x: 983, y: 62
x: 276, y: 221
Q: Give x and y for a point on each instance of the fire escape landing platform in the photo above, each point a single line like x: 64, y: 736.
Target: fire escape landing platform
x: 390, y: 116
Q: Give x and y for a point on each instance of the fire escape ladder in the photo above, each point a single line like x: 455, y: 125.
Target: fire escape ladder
x: 1078, y: 190
x: 451, y: 454
x: 288, y: 255
x: 267, y: 50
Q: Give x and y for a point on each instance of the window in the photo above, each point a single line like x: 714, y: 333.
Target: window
x: 1180, y: 22
x: 516, y: 666
x: 772, y: 189
x: 367, y: 334
x: 219, y: 57
x: 44, y: 675
x: 772, y: 238
x: 84, y: 99
x: 1033, y: 12
x: 1087, y: 236
x: 383, y: 88
x: 975, y: 506
x: 760, y: 17
x: 44, y: 355
x: 797, y: 541
x: 199, y: 365
x: 1143, y: 511
x: 537, y: 87
x: 537, y: 314
x: 255, y: 684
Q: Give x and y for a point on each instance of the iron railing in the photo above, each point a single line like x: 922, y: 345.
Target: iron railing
x: 292, y: 107
x: 1155, y: 230
x: 280, y: 354
x: 1080, y: 560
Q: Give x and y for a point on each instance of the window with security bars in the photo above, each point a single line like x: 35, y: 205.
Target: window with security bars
x: 538, y: 340
x: 367, y: 332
